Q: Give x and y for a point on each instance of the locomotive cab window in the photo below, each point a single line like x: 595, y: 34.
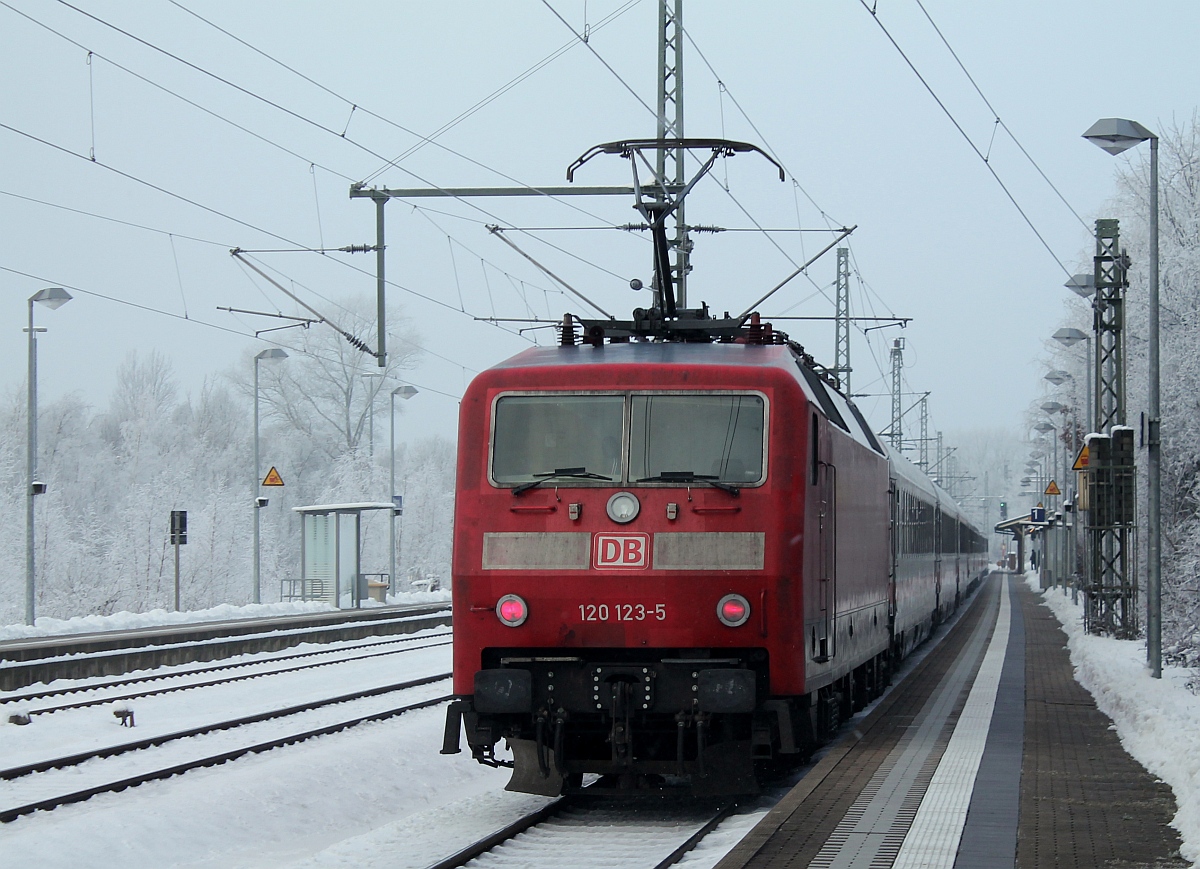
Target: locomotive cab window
x: 628, y: 439
x: 536, y: 435
x: 714, y: 436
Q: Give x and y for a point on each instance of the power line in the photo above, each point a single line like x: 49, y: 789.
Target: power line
x: 422, y: 139
x: 167, y: 90
x: 117, y: 220
x: 501, y: 91
x: 999, y: 121
x: 958, y: 126
x: 214, y: 326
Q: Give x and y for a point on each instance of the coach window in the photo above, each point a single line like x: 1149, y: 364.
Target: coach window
x: 719, y: 436
x: 536, y: 435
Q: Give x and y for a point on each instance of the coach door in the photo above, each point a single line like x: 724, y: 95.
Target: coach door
x: 938, y: 546
x: 824, y: 476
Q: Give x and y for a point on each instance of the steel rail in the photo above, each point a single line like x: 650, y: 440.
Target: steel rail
x: 22, y: 665
x: 9, y: 815
x: 100, y: 701
x: 565, y: 804
x: 487, y: 843
x: 150, y: 742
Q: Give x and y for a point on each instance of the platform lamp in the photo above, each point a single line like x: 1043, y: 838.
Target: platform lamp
x: 1069, y: 337
x: 53, y: 298
x: 274, y: 354
x: 405, y: 392
x: 1116, y: 135
x: 1045, y: 428
x: 1053, y: 407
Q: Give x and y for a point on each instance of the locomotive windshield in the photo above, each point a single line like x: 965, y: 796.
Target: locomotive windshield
x: 669, y: 438
x: 538, y: 434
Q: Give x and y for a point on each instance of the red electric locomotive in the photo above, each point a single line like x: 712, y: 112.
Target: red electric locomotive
x: 680, y: 551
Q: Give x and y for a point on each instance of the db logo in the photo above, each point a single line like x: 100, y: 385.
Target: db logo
x: 620, y: 551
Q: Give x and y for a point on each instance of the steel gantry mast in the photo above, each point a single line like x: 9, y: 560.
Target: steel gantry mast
x: 924, y: 463
x: 1111, y: 598
x: 897, y: 411
x: 841, y: 324
x: 669, y: 166
x: 1111, y: 265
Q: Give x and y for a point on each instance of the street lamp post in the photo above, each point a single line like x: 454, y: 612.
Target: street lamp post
x: 1069, y: 337
x: 52, y: 298
x: 270, y: 355
x: 372, y: 391
x: 1052, y: 407
x: 405, y: 392
x: 1115, y: 135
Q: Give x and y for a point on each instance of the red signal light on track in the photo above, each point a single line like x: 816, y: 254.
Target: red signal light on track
x: 512, y: 610
x: 733, y: 610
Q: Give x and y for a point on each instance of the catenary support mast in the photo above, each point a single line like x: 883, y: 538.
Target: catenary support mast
x: 670, y: 164
x: 841, y: 325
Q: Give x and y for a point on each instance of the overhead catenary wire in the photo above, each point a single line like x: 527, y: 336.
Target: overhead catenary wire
x: 93, y: 54
x: 191, y: 320
x: 953, y: 120
x: 214, y: 211
x: 311, y: 122
x: 999, y: 121
x: 422, y: 139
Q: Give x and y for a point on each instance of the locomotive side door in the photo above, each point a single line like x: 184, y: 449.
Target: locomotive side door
x: 823, y: 476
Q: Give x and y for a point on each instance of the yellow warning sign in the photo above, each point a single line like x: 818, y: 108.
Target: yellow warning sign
x: 272, y: 478
x: 1081, y: 460
x: 1053, y: 489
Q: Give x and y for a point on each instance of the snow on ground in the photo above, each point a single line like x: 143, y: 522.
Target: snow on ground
x: 271, y: 810
x: 49, y: 627
x: 381, y: 795
x: 1156, y: 719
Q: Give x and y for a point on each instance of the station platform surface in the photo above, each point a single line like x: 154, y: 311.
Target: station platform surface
x: 989, y: 754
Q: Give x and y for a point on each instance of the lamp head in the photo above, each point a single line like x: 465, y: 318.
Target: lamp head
x: 272, y: 355
x: 406, y: 392
x: 1083, y: 284
x: 51, y: 297
x: 1069, y: 337
x: 1115, y: 135
x: 1058, y: 377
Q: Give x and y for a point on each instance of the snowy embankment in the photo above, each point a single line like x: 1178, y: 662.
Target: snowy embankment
x: 48, y: 627
x: 1156, y: 719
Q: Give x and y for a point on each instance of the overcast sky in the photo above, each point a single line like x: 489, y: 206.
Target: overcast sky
x: 817, y: 84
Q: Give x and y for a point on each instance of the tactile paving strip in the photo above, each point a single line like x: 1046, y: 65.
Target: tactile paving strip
x: 795, y: 832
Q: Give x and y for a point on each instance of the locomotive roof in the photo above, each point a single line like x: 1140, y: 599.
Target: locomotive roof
x: 654, y: 352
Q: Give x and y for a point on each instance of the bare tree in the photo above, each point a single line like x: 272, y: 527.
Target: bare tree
x: 328, y: 389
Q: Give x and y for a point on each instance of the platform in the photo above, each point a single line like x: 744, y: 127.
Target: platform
x: 989, y: 754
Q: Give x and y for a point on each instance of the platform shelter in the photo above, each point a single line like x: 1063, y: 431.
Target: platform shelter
x: 330, y: 556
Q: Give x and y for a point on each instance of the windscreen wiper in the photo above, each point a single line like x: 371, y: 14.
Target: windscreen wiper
x: 691, y: 477
x: 571, y: 473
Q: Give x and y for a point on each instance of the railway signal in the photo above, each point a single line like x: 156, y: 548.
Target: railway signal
x: 178, y: 538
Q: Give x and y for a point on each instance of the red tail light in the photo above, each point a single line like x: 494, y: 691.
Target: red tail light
x: 512, y: 610
x: 733, y: 610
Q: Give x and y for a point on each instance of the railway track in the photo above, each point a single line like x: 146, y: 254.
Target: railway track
x: 44, y: 794
x: 627, y: 833
x: 46, y: 659
x: 335, y: 656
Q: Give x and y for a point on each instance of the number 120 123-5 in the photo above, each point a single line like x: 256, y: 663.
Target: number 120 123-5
x: 622, y: 612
